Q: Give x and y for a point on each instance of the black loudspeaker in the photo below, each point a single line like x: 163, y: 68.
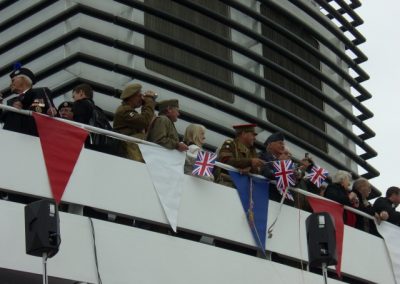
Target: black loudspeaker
x: 321, y: 239
x: 42, y: 228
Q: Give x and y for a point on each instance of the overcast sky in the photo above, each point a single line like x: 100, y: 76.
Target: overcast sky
x: 381, y: 29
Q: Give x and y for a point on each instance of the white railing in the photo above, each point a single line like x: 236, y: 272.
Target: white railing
x: 137, y: 140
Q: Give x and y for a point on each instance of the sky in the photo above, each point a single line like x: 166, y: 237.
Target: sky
x: 381, y: 29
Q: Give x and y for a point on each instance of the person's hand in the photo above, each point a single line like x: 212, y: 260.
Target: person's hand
x: 17, y: 104
x: 182, y: 147
x: 256, y: 163
x: 150, y: 94
x: 384, y: 215
x: 245, y: 171
x: 52, y: 111
x: 354, y: 199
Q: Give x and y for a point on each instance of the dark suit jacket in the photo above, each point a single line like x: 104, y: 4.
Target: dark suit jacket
x: 82, y: 110
x: 38, y: 100
x: 384, y: 204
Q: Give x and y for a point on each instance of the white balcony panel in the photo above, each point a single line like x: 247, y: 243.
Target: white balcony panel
x: 131, y: 255
x: 119, y: 185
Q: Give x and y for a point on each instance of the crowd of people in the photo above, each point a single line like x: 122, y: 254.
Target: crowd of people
x: 239, y: 152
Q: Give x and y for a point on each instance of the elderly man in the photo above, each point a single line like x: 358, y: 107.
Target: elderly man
x: 274, y: 148
x: 163, y: 131
x: 129, y: 122
x: 362, y: 188
x: 38, y: 100
x: 387, y: 205
x: 239, y: 153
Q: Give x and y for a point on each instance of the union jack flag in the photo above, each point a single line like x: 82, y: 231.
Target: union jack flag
x: 317, y: 175
x: 204, y: 164
x: 284, y: 175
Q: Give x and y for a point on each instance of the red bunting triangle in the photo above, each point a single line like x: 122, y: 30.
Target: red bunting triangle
x: 61, y: 146
x: 336, y: 211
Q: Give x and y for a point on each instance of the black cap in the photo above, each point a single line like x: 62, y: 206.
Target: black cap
x: 24, y: 71
x: 278, y: 136
x: 65, y: 104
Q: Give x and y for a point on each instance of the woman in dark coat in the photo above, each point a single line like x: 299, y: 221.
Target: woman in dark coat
x: 339, y: 191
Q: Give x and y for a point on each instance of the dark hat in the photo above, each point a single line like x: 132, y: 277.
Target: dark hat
x: 24, y: 71
x: 278, y: 136
x: 163, y: 105
x: 65, y: 104
x: 130, y: 90
x: 239, y: 128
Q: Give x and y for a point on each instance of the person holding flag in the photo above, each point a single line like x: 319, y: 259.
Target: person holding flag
x: 239, y: 153
x: 274, y: 150
x: 195, y: 139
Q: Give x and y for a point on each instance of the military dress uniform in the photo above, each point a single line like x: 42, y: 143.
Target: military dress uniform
x: 37, y: 100
x: 163, y: 131
x: 235, y: 154
x: 129, y: 122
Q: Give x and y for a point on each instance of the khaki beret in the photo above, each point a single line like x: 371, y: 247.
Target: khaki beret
x: 130, y: 90
x: 167, y: 103
x: 245, y: 128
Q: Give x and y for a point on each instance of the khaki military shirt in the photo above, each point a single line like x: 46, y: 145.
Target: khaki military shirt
x: 236, y: 154
x: 129, y: 122
x: 163, y: 132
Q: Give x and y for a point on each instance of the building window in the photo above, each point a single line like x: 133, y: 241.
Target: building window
x: 273, y: 76
x: 188, y: 59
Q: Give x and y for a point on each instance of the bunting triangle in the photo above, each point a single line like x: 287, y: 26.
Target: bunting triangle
x: 166, y: 171
x: 254, y: 195
x: 61, y: 145
x: 336, y: 211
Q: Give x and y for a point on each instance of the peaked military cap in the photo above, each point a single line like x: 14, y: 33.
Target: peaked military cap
x: 239, y: 128
x: 130, y: 90
x: 65, y: 104
x: 24, y: 71
x: 167, y: 103
x: 278, y: 136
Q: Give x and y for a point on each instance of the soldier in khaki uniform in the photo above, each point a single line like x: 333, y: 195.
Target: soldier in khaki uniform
x: 239, y: 153
x: 129, y: 122
x: 163, y: 131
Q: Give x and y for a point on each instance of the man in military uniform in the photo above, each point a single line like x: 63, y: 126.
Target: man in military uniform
x: 163, y: 131
x: 38, y: 100
x: 65, y: 110
x: 239, y: 153
x: 128, y: 121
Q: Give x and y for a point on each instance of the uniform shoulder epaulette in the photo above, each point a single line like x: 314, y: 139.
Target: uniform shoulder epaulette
x: 228, y: 144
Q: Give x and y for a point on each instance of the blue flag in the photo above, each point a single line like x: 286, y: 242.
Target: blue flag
x: 254, y: 195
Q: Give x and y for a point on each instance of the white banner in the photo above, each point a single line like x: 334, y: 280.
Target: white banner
x: 391, y: 235
x: 166, y: 171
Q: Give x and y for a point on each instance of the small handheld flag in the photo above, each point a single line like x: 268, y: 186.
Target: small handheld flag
x: 317, y: 175
x: 204, y: 164
x: 284, y: 175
